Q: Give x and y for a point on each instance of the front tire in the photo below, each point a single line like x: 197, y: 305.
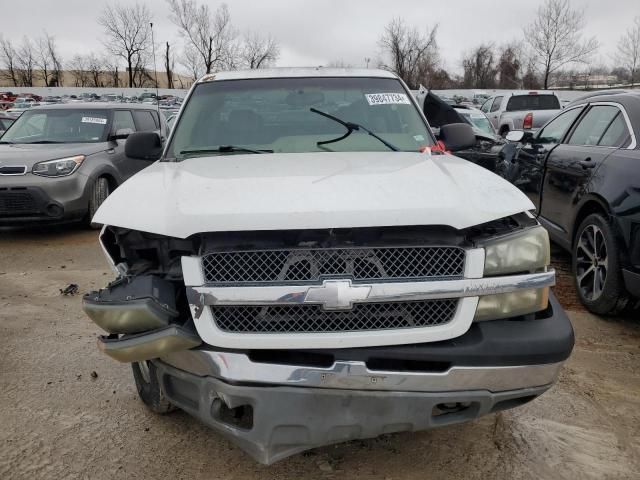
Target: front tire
x: 596, y: 267
x: 149, y: 390
x: 99, y: 193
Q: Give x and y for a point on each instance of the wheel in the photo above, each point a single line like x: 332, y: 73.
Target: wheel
x: 596, y: 267
x: 99, y: 193
x: 149, y: 390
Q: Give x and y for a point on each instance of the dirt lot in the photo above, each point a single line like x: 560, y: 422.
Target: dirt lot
x: 59, y: 419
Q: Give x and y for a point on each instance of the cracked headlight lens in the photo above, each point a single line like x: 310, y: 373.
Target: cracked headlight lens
x: 526, y: 251
x: 60, y: 167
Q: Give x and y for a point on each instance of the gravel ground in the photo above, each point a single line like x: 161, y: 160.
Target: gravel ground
x: 69, y: 412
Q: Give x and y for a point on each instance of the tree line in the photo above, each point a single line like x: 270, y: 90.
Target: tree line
x: 552, y: 51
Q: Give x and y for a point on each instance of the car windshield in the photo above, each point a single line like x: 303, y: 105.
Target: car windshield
x: 479, y: 121
x: 275, y: 115
x: 59, y: 126
x: 533, y: 102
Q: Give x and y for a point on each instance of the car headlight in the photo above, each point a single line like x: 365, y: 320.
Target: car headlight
x: 58, y: 168
x: 523, y: 252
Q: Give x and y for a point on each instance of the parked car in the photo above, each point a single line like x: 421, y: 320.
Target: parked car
x: 5, y: 122
x: 19, y: 108
x: 299, y: 269
x: 581, y: 171
x: 521, y: 110
x: 59, y: 162
x: 488, y: 150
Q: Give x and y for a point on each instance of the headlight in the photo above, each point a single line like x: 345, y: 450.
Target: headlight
x: 514, y: 304
x: 526, y: 251
x: 523, y: 252
x: 58, y: 168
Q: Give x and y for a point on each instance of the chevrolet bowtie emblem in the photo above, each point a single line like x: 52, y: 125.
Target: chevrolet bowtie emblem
x: 337, y: 294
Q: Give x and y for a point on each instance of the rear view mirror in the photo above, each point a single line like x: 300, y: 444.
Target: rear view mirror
x: 519, y: 136
x: 457, y: 136
x: 144, y: 146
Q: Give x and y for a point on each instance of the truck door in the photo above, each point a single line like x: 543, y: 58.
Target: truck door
x: 530, y: 163
x: 494, y: 112
x: 573, y: 164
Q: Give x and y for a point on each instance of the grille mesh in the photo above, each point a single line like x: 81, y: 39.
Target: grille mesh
x: 310, y: 265
x: 17, y: 202
x: 313, y: 318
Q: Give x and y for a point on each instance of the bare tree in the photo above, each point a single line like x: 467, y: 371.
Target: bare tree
x: 169, y: 65
x: 79, y: 70
x: 112, y: 70
x: 95, y: 68
x: 259, y: 51
x: 412, y: 53
x: 479, y: 67
x: 208, y: 33
x: 508, y: 67
x: 192, y: 61
x: 128, y: 32
x: 47, y: 60
x: 8, y: 58
x: 629, y: 49
x: 56, y: 61
x: 555, y: 37
x: 25, y: 62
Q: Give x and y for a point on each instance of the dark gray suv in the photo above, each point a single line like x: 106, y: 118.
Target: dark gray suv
x: 58, y: 163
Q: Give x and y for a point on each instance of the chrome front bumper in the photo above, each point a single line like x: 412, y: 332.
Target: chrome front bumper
x: 354, y: 375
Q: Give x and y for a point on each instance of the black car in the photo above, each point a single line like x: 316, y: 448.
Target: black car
x: 582, y: 172
x: 58, y: 163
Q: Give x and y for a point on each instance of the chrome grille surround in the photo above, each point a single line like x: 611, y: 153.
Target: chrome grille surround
x: 310, y: 265
x: 313, y: 318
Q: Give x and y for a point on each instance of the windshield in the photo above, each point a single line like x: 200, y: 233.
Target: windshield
x: 59, y: 126
x: 479, y: 121
x: 275, y: 115
x: 533, y: 102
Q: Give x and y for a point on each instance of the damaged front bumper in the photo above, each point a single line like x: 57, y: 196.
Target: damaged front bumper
x: 274, y: 407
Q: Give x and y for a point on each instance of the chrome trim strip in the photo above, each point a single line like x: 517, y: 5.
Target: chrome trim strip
x: 238, y: 368
x: 378, y: 292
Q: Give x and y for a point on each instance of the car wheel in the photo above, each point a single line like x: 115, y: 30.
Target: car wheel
x: 99, y: 193
x: 146, y: 376
x: 596, y: 267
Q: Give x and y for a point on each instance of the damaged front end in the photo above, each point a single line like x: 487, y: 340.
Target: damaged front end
x: 144, y: 311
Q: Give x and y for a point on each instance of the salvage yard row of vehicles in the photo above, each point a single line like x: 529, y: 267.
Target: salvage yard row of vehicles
x: 304, y: 261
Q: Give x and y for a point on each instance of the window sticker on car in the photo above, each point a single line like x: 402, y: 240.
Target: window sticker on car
x: 418, y: 138
x: 387, y: 99
x: 100, y: 121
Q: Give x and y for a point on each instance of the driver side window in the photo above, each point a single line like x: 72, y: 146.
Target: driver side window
x: 555, y: 130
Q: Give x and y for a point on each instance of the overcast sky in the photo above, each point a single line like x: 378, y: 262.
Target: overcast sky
x: 316, y: 32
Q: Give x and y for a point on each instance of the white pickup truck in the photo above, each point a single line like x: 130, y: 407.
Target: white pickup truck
x: 521, y: 110
x: 302, y: 265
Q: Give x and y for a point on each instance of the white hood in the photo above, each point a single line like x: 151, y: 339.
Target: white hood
x: 308, y: 191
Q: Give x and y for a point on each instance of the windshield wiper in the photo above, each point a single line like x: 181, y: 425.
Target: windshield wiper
x: 351, y: 127
x: 225, y: 149
x: 42, y: 142
x: 6, y: 142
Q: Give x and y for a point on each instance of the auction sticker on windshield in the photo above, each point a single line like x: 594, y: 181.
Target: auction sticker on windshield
x: 100, y: 121
x: 387, y: 99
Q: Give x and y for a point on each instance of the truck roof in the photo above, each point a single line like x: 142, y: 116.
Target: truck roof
x: 297, y: 72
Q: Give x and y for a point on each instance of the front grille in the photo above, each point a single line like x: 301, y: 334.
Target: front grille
x: 13, y: 170
x: 311, y: 265
x: 313, y: 318
x: 14, y: 203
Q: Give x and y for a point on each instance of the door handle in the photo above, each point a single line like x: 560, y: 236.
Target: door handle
x: 587, y: 163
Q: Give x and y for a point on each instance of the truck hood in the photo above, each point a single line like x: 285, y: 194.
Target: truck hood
x: 26, y: 154
x: 309, y: 191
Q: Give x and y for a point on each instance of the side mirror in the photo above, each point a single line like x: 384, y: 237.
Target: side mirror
x: 144, y: 146
x: 519, y: 136
x: 121, y: 134
x: 457, y: 136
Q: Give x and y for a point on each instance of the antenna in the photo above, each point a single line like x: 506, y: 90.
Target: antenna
x: 155, y: 70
